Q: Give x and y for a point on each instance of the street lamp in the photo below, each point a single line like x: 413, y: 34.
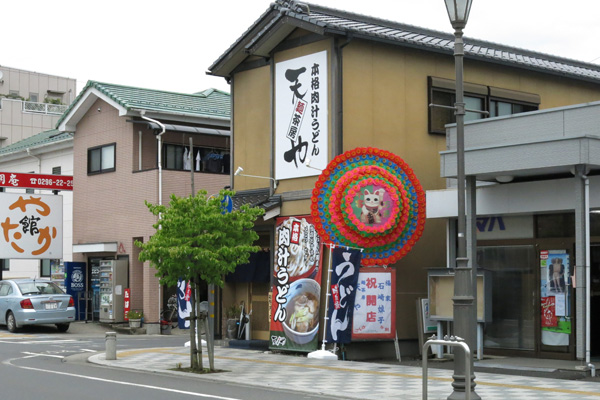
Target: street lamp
x: 465, y: 319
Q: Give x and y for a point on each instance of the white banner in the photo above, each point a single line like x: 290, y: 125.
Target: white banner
x: 301, y: 107
x: 31, y: 226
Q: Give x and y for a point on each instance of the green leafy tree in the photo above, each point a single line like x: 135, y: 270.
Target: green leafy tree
x: 197, y: 240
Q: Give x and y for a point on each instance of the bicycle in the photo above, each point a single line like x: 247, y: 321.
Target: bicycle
x: 170, y: 315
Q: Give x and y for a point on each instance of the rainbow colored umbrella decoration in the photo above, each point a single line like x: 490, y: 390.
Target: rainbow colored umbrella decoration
x: 370, y: 199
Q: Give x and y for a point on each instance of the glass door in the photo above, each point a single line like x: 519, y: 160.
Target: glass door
x: 513, y: 296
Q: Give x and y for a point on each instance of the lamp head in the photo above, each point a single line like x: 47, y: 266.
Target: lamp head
x: 238, y: 171
x: 458, y: 12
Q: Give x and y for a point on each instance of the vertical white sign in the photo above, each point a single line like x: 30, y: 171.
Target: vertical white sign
x: 301, y: 116
x: 31, y: 226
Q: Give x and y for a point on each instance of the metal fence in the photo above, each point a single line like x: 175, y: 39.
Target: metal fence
x: 44, y: 108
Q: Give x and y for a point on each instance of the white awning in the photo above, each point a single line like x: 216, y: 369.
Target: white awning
x: 109, y: 247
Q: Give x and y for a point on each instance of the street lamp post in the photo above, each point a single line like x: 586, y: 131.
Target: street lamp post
x: 465, y: 324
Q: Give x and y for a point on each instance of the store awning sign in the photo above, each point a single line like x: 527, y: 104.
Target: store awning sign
x: 31, y: 226
x: 36, y: 181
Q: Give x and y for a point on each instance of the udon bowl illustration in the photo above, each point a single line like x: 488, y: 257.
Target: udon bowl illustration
x: 302, y: 321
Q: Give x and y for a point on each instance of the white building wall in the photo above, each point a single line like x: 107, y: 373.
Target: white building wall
x: 52, y: 157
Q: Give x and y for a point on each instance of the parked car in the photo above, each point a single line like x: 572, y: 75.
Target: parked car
x: 34, y: 302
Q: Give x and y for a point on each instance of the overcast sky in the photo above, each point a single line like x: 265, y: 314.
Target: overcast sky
x: 169, y: 45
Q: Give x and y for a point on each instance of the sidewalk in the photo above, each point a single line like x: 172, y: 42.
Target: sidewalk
x: 349, y: 379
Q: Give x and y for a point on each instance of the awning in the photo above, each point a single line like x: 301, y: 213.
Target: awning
x: 259, y: 198
x: 107, y: 247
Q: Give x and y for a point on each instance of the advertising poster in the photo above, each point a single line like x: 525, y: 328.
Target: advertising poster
x: 296, y: 285
x: 555, y: 297
x: 374, y: 306
x: 301, y: 119
x: 345, y: 266
x: 31, y: 226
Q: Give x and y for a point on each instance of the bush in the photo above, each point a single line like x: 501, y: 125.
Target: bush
x: 134, y: 314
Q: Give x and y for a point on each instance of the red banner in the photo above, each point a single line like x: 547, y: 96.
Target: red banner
x: 296, y: 285
x: 36, y: 181
x: 549, y: 312
x: 127, y: 303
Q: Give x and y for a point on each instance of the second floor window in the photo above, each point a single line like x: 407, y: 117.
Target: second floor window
x: 101, y: 159
x: 202, y: 159
x: 496, y: 101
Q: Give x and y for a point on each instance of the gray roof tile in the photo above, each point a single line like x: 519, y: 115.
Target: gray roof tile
x: 369, y: 28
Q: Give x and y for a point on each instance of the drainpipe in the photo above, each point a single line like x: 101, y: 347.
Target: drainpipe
x: 588, y: 310
x: 37, y: 158
x: 159, y: 139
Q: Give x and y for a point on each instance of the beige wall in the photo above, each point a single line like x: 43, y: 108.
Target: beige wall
x: 385, y: 105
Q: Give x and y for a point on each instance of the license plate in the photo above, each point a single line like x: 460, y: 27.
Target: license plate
x: 50, y: 306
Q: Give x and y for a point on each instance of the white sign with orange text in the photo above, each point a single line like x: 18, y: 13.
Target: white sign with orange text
x: 31, y: 226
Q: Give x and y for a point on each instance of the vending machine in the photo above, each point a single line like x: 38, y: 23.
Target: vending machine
x: 113, y: 282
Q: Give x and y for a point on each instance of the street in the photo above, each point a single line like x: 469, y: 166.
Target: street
x: 41, y: 363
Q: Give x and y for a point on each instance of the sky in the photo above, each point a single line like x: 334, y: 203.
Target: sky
x: 169, y: 45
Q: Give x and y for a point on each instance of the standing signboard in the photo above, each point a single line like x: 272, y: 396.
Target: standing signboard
x: 296, y: 285
x: 76, y: 286
x: 375, y: 304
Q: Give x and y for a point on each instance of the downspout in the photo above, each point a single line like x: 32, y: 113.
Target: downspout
x: 37, y: 158
x: 159, y: 139
x: 338, y: 137
x: 586, y: 182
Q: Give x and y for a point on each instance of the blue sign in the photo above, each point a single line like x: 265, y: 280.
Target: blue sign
x: 227, y: 204
x: 75, y: 284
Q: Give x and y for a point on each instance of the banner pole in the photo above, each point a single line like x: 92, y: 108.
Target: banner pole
x: 324, y: 354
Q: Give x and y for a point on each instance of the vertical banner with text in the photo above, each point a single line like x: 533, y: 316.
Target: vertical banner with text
x: 345, y: 266
x: 296, y: 285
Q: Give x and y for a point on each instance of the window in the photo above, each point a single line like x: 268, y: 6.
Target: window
x: 499, y: 108
x: 101, y: 159
x: 5, y: 264
x: 56, y: 170
x: 45, y: 268
x: 33, y: 97
x: 203, y: 159
x: 477, y: 97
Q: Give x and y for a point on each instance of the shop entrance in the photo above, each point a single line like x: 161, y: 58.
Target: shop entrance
x: 595, y: 300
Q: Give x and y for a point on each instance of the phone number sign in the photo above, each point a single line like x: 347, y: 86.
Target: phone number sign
x: 36, y: 181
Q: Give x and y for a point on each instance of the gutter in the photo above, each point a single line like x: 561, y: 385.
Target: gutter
x: 37, y: 158
x: 159, y: 138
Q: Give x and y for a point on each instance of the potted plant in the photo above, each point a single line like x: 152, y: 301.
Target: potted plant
x: 232, y: 313
x: 135, y: 318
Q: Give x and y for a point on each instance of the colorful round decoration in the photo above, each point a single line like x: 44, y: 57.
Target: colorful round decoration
x: 371, y: 199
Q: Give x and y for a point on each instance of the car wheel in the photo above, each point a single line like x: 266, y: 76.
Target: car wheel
x: 11, y: 322
x: 62, y: 327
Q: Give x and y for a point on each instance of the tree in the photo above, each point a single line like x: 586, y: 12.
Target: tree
x: 197, y: 240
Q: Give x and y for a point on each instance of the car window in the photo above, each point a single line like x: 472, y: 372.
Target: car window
x: 4, y: 289
x: 28, y: 288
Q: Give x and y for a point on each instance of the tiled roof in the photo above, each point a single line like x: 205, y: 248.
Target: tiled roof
x: 254, y: 198
x: 41, y: 139
x: 208, y: 103
x: 333, y: 21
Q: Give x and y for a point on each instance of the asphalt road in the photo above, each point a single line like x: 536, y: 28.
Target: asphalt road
x: 41, y: 363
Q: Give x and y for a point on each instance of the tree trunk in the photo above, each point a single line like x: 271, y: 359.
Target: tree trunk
x: 210, y: 343
x: 194, y: 364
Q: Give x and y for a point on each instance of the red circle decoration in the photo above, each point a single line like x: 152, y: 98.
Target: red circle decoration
x: 371, y: 199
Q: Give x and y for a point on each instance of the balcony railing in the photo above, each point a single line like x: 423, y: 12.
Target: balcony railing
x: 44, y: 108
